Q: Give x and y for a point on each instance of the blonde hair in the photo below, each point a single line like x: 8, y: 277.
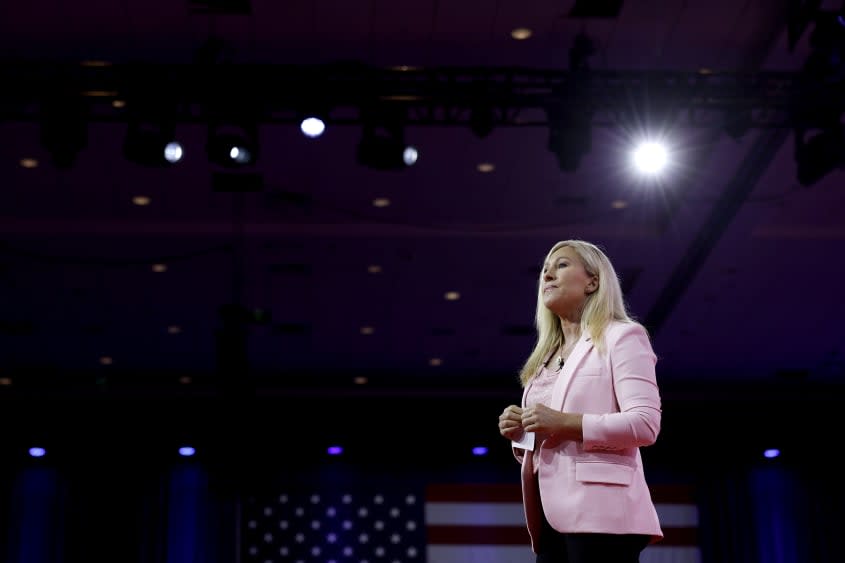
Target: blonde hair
x: 602, y: 306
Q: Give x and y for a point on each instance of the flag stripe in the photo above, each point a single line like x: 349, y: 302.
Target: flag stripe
x: 492, y: 513
x: 479, y: 535
x: 480, y: 554
x: 504, y: 513
x: 677, y: 515
x: 523, y: 554
x: 478, y: 522
x: 654, y: 554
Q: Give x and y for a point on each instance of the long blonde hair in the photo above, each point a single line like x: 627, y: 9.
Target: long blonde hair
x: 602, y: 306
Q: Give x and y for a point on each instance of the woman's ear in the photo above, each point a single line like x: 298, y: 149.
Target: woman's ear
x: 592, y: 285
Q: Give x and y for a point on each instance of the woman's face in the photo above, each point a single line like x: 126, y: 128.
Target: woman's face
x: 566, y: 284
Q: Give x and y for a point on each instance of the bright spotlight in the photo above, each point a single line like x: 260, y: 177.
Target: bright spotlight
x: 37, y: 452
x: 382, y: 145
x: 312, y: 127
x: 186, y: 451
x: 650, y: 157
x: 385, y: 152
x: 232, y: 146
x: 409, y: 156
x: 151, y: 144
x: 241, y: 155
x: 173, y: 152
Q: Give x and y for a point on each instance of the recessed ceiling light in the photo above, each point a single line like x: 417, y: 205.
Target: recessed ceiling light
x: 485, y: 167
x: 29, y: 162
x: 374, y: 269
x: 619, y: 204
x: 185, y: 380
x: 452, y: 296
x: 521, y: 33
x: 367, y: 330
x: 360, y: 380
x: 106, y: 361
x: 381, y: 202
x: 141, y: 200
x: 159, y: 268
x: 435, y: 362
x: 118, y: 104
x: 99, y: 93
x: 174, y: 329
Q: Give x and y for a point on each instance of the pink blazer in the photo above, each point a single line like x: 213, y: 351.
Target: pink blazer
x: 598, y: 485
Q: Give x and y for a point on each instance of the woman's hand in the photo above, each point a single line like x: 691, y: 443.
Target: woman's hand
x: 552, y: 425
x: 510, y: 422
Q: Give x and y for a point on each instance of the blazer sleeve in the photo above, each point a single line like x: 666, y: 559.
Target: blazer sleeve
x: 637, y: 423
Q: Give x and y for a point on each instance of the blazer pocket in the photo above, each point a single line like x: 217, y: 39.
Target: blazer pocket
x: 603, y: 472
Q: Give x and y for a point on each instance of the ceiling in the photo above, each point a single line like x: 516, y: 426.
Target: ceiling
x: 731, y: 263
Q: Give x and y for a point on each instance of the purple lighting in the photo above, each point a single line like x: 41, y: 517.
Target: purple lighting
x: 771, y: 453
x: 37, y: 452
x: 479, y: 450
x: 335, y: 450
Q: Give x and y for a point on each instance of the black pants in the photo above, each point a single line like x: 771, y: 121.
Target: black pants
x: 556, y: 547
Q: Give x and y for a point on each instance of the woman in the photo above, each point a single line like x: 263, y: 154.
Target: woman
x: 590, y: 400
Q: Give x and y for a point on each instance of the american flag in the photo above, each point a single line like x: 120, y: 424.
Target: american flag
x: 360, y: 525
x: 438, y: 523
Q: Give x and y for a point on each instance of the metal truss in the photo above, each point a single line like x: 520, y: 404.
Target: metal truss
x: 350, y: 93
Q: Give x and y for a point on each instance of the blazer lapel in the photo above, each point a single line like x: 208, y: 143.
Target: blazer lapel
x: 584, y: 345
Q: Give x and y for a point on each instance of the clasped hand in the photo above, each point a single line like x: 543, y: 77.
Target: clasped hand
x: 539, y: 419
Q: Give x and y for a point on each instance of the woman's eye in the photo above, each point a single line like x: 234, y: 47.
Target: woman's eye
x: 562, y: 265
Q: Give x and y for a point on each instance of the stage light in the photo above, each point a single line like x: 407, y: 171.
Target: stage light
x: 232, y: 146
x: 312, y: 127
x: 384, y: 149
x: 382, y: 145
x: 570, y: 136
x: 149, y: 144
x: 173, y: 152
x: 385, y: 153
x: 409, y: 155
x: 649, y: 157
